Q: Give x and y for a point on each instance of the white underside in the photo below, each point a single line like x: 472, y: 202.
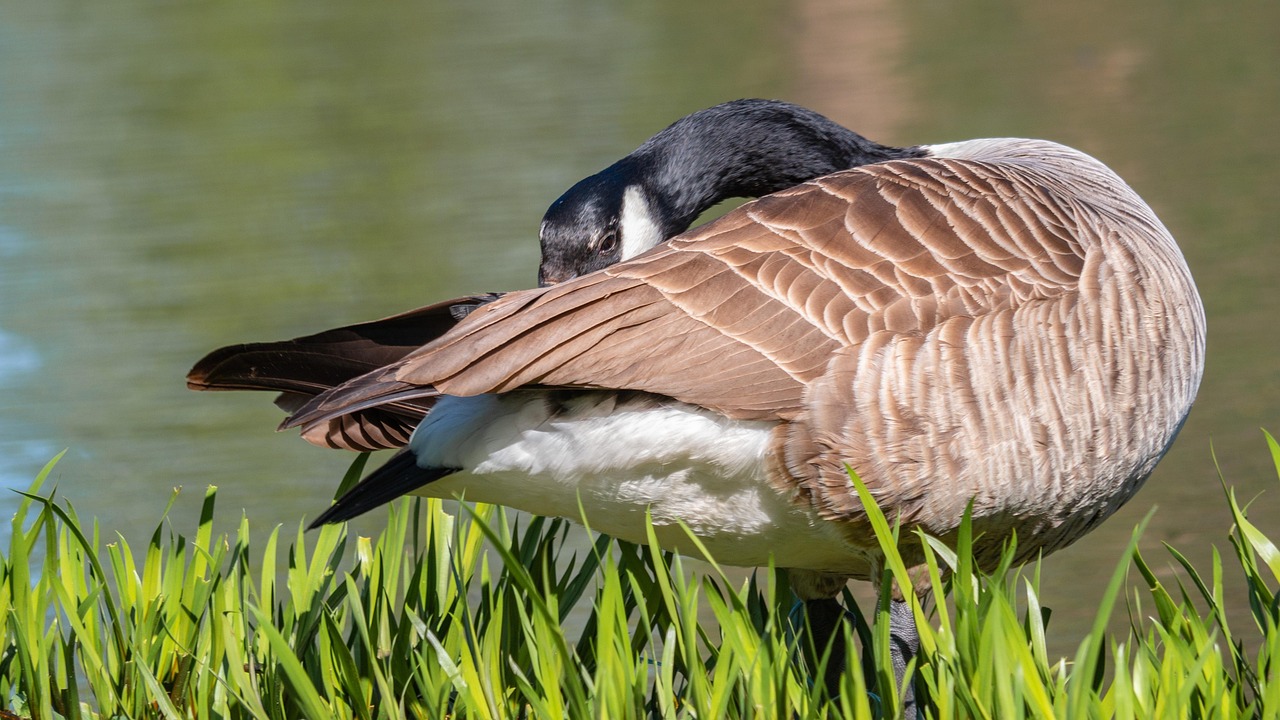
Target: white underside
x: 678, y: 462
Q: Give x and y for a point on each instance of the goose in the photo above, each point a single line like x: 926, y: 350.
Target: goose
x: 997, y: 323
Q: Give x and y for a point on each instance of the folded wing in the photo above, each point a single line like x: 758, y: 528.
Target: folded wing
x: 743, y: 315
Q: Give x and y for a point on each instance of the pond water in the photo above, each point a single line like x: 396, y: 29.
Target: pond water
x: 178, y: 177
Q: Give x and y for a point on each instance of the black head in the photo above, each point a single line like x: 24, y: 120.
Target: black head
x: 605, y: 218
x: 579, y: 233
x: 743, y: 148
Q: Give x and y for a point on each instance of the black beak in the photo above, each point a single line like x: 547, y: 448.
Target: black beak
x: 547, y: 278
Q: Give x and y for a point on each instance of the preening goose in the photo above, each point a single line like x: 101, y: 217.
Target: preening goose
x: 1002, y: 321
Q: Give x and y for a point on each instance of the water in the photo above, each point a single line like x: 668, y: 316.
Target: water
x: 175, y: 178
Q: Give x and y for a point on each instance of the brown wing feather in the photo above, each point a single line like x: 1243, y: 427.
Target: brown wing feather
x: 304, y: 367
x: 318, y: 362
x: 742, y: 315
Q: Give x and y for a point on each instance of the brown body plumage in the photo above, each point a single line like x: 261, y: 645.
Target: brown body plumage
x: 1006, y: 322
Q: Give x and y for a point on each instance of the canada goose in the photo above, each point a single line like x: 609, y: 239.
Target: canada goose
x: 998, y: 321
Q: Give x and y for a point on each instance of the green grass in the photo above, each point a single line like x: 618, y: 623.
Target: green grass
x: 464, y: 616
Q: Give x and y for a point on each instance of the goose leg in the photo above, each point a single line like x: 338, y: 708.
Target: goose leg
x: 824, y: 616
x: 904, y: 644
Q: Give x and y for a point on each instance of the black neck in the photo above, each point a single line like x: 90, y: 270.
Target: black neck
x: 745, y: 148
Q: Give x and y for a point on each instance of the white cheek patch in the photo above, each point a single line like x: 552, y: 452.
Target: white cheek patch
x: 639, y: 229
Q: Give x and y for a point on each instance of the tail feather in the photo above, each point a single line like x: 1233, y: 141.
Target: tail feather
x: 400, y: 475
x: 365, y: 431
x: 361, y: 394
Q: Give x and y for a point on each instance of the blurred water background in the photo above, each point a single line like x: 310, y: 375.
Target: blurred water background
x: 175, y: 177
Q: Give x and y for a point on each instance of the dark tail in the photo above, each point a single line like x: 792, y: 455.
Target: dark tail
x: 398, y: 476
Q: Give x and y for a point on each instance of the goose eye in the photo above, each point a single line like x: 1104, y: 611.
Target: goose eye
x: 609, y: 243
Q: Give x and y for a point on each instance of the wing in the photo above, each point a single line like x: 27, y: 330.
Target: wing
x: 307, y: 366
x: 742, y: 315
